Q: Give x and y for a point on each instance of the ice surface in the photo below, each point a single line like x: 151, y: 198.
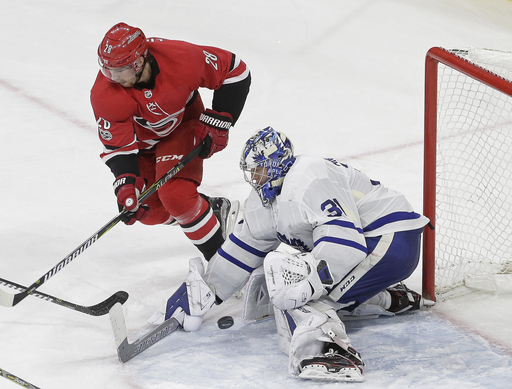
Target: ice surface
x: 342, y: 78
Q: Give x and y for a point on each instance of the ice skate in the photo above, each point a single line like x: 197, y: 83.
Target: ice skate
x: 334, y: 365
x: 226, y: 212
x: 404, y: 299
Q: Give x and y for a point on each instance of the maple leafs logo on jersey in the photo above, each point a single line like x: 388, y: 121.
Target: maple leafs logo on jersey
x: 295, y: 243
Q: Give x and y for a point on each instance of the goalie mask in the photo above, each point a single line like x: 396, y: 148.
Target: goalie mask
x: 266, y: 158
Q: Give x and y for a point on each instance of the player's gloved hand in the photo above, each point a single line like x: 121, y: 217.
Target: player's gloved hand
x: 127, y: 188
x: 286, y: 294
x: 213, y: 127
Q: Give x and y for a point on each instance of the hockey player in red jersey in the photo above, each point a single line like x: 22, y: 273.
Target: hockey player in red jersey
x: 150, y: 115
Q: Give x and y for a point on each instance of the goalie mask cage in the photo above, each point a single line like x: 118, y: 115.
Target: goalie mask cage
x: 467, y: 168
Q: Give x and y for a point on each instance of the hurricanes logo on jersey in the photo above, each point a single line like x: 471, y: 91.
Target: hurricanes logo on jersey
x: 161, y: 127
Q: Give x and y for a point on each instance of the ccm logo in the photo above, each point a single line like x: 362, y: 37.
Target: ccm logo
x: 347, y: 283
x: 166, y: 158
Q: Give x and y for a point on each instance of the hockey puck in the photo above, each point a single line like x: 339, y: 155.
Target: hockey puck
x: 225, y: 322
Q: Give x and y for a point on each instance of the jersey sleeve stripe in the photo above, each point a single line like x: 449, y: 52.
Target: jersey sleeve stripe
x: 237, y: 78
x: 109, y: 154
x: 130, y: 148
x: 344, y: 224
x: 246, y: 247
x: 391, y: 218
x: 235, y: 62
x: 343, y: 242
x: 235, y: 261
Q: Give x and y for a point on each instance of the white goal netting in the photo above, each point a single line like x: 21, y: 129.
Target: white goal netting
x: 473, y: 175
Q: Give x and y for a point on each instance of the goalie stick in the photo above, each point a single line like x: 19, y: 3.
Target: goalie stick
x: 99, y: 309
x: 17, y: 380
x: 127, y: 350
x: 9, y: 300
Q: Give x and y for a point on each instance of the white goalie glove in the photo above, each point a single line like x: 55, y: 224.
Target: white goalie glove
x: 293, y: 279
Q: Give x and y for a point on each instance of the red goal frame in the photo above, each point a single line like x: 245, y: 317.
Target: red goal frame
x: 434, y: 56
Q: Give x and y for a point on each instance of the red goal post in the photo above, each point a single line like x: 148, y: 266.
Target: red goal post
x: 483, y: 82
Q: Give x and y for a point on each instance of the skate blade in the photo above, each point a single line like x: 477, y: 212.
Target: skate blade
x: 317, y: 372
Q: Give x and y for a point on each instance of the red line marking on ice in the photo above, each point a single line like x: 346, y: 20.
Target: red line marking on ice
x: 382, y: 151
x: 43, y: 104
x: 473, y: 330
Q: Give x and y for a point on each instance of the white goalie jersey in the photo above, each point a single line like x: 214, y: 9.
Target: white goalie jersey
x: 326, y: 208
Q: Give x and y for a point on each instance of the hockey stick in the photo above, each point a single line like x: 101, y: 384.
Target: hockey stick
x: 17, y: 380
x: 127, y: 350
x: 9, y: 300
x: 99, y: 309
x: 364, y: 267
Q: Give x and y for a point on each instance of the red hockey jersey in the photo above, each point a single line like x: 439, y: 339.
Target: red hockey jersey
x: 135, y: 118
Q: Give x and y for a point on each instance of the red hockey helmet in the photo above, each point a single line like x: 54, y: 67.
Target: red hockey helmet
x: 122, y: 46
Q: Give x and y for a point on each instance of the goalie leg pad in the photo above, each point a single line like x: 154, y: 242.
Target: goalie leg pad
x: 292, y: 279
x: 323, y: 351
x: 307, y: 333
x: 197, y: 300
x: 190, y: 302
x: 257, y: 305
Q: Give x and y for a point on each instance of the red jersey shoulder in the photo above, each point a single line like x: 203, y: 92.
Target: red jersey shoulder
x: 199, y: 66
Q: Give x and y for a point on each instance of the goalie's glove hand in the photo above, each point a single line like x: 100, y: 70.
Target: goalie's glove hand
x: 213, y: 128
x: 307, y: 284
x: 127, y: 188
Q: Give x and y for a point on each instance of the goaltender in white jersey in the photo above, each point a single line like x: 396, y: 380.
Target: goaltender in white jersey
x: 353, y: 241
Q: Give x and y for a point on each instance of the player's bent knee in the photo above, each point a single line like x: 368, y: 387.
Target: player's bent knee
x: 179, y: 196
x: 407, y: 245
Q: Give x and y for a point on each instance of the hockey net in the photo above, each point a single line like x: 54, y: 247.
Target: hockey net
x: 468, y: 171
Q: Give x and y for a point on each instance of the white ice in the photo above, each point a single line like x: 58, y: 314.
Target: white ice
x: 341, y: 78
